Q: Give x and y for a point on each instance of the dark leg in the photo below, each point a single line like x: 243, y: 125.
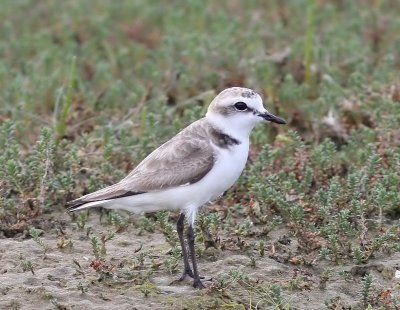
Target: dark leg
x: 190, y: 235
x: 186, y: 266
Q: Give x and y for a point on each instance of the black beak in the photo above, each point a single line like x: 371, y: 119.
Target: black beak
x: 272, y: 118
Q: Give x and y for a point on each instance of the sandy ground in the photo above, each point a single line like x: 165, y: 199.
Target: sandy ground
x: 59, y: 273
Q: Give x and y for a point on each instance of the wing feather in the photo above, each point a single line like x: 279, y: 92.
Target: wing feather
x: 185, y: 159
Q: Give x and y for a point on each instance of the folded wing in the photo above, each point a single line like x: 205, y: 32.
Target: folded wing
x: 185, y: 159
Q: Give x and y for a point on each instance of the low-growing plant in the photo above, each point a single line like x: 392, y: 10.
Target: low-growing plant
x: 83, y: 288
x: 35, y: 234
x: 117, y: 221
x: 146, y: 224
x: 367, y: 285
x: 81, y: 219
x: 168, y: 229
x: 26, y: 264
x: 172, y: 262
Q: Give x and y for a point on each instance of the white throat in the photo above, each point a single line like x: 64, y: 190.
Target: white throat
x: 230, y: 127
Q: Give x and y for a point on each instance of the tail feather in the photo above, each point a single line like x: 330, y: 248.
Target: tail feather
x: 132, y: 203
x: 85, y: 201
x: 79, y: 205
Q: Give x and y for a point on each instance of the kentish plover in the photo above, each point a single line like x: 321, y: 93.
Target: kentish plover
x: 194, y: 167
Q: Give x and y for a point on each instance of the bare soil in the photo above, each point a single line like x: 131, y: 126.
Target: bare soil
x: 65, y: 277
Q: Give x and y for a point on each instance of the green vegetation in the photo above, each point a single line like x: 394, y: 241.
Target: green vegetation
x: 89, y: 88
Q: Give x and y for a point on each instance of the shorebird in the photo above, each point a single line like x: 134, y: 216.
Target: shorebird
x: 194, y: 167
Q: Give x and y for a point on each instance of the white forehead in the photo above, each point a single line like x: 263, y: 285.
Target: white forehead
x: 238, y: 92
x: 232, y: 95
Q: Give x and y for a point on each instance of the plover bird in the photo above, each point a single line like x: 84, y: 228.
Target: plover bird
x: 194, y: 167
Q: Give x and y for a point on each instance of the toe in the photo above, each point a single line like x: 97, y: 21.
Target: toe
x: 186, y: 272
x: 198, y: 284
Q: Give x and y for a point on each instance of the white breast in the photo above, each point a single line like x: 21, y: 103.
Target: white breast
x: 227, y: 169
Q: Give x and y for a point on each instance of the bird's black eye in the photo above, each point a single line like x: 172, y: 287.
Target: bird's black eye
x: 240, y: 106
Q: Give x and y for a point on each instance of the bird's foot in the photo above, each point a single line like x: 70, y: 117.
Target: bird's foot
x: 186, y: 272
x: 198, y: 284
